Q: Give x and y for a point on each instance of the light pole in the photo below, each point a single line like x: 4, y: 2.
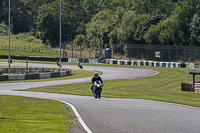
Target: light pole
x: 9, y: 39
x: 60, y: 35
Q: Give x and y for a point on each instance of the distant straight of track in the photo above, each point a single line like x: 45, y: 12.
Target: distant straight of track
x: 114, y: 115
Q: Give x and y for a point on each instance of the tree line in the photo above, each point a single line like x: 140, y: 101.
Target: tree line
x: 98, y: 22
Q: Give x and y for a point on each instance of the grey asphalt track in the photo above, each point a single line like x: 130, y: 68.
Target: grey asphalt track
x: 112, y: 115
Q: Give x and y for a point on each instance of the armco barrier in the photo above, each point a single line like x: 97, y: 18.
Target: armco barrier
x: 35, y: 76
x: 4, y: 78
x: 62, y: 74
x: 28, y: 76
x: 57, y: 74
x: 68, y: 73
x: 33, y: 58
x: 16, y: 77
x: 44, y: 75
x: 53, y: 75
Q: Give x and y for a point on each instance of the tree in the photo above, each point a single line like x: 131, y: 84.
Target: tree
x: 156, y: 34
x: 154, y: 7
x: 49, y: 29
x: 143, y: 27
x: 183, y: 16
x: 195, y: 30
x: 4, y: 11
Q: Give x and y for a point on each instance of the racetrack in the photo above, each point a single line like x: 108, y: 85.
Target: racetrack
x: 113, y: 115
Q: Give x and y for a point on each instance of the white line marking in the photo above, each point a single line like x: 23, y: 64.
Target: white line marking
x: 77, y: 116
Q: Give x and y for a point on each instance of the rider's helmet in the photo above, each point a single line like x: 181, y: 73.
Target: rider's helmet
x: 96, y: 75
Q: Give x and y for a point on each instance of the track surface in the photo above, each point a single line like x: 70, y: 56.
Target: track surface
x: 112, y: 115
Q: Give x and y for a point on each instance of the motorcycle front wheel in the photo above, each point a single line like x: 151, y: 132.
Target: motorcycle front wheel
x: 98, y: 92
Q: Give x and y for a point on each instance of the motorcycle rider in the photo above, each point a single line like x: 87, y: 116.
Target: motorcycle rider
x: 58, y: 63
x: 95, y: 78
x: 80, y: 66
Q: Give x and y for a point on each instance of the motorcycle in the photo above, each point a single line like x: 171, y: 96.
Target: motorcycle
x: 80, y: 66
x: 97, y: 89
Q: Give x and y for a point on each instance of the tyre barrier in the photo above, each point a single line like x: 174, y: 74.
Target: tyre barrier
x: 35, y: 73
x: 133, y: 62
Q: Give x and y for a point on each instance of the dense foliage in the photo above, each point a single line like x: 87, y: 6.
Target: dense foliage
x: 97, y: 22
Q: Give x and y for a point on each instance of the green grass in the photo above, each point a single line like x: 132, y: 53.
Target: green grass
x: 21, y: 115
x: 28, y: 53
x: 20, y: 43
x: 23, y: 43
x: 165, y: 86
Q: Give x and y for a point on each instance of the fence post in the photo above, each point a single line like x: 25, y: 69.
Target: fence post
x: 129, y: 52
x: 121, y: 51
x: 195, y: 56
x: 63, y: 50
x: 190, y: 54
x: 72, y: 50
x: 90, y: 53
x: 80, y: 52
x: 146, y: 53
x: 113, y: 51
x: 169, y: 54
x: 177, y: 53
x: 184, y: 54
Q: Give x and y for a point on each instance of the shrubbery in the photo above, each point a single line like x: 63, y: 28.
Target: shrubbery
x: 1, y: 71
x: 3, y: 29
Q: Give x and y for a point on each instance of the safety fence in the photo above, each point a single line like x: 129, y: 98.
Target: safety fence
x: 28, y: 49
x: 126, y: 51
x: 136, y: 51
x: 33, y: 73
x: 159, y: 52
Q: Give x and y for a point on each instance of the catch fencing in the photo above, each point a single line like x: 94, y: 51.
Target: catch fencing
x: 137, y: 51
x: 159, y: 52
x: 28, y: 49
x: 127, y: 51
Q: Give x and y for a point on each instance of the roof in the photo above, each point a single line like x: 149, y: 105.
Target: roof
x: 194, y: 73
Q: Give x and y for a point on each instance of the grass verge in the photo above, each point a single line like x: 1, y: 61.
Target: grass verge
x: 28, y: 53
x: 165, y: 86
x: 20, y: 114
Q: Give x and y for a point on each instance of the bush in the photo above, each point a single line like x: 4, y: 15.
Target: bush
x: 4, y: 29
x: 1, y: 71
